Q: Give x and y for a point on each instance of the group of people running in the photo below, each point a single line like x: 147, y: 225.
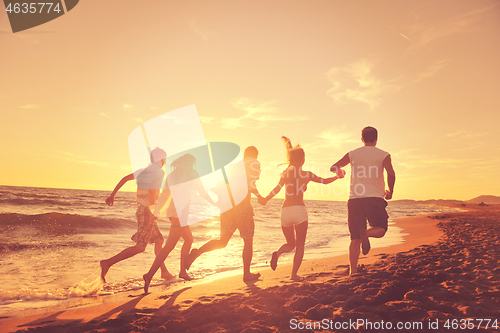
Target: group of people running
x: 366, y: 202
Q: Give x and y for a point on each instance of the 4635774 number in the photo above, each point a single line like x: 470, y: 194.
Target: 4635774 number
x: 33, y: 8
x: 470, y: 324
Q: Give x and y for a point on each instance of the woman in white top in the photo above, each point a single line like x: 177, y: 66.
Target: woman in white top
x: 177, y: 209
x: 294, y: 220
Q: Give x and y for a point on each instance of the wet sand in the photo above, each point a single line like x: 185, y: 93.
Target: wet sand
x: 446, y: 271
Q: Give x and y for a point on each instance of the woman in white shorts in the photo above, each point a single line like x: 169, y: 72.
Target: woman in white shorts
x: 293, y: 211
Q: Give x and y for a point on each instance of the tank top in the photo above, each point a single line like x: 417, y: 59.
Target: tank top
x: 367, y: 172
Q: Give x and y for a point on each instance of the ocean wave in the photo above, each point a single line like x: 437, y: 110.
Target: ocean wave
x: 62, y: 224
x: 36, y: 195
x: 15, y: 246
x: 44, y: 202
x: 82, y: 289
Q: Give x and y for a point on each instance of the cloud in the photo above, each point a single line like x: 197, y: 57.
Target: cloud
x: 257, y: 114
x: 356, y: 82
x: 139, y: 120
x: 465, y: 135
x: 336, y: 138
x: 332, y: 141
x: 102, y: 114
x: 127, y: 107
x: 412, y: 159
x: 431, y: 70
x: 199, y: 32
x: 206, y: 120
x: 30, y: 106
x: 75, y: 158
x: 424, y: 34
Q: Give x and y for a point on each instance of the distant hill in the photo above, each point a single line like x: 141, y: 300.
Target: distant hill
x: 430, y: 202
x: 487, y: 199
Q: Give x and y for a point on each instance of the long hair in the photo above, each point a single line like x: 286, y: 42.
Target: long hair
x: 183, y: 163
x: 294, y: 155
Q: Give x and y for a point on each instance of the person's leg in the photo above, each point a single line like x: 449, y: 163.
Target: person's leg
x: 376, y: 232
x: 356, y: 220
x: 211, y: 245
x: 377, y: 216
x: 187, y: 236
x: 289, y: 234
x: 165, y: 274
x: 173, y: 236
x: 354, y: 251
x: 125, y: 254
x: 227, y: 229
x: 247, y: 260
x: 301, y: 233
x: 243, y: 219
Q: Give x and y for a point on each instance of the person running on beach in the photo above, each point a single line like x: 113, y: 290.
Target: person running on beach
x: 367, y: 193
x: 294, y: 219
x: 149, y: 182
x: 178, y: 204
x: 240, y: 217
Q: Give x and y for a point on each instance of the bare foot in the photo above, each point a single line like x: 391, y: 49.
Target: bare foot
x: 365, y: 242
x: 296, y: 278
x: 104, y: 270
x: 274, y: 261
x: 251, y: 277
x: 190, y: 258
x: 185, y: 276
x: 147, y: 282
x: 167, y: 276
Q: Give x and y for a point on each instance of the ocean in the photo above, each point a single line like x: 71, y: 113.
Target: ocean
x: 52, y: 241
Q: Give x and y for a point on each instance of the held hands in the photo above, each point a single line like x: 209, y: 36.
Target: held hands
x: 341, y: 173
x: 110, y: 200
x: 262, y: 201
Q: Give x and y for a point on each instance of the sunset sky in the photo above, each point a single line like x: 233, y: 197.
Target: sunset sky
x: 424, y: 73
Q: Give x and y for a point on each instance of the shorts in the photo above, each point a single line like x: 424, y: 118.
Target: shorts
x: 292, y: 215
x: 148, y: 231
x: 361, y: 209
x: 239, y: 217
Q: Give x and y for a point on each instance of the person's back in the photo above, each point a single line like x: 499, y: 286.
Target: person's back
x: 296, y: 181
x: 252, y: 171
x: 367, y: 172
x: 149, y: 181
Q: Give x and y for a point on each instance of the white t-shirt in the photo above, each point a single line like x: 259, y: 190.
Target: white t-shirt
x: 367, y: 172
x: 150, y: 178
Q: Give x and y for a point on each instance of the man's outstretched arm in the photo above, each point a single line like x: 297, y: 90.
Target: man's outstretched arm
x: 340, y: 164
x: 111, y: 199
x: 391, y: 177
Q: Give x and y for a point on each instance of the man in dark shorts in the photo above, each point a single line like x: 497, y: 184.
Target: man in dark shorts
x: 367, y: 198
x: 240, y: 217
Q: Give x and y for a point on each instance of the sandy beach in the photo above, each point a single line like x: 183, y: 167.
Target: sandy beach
x: 445, y: 276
